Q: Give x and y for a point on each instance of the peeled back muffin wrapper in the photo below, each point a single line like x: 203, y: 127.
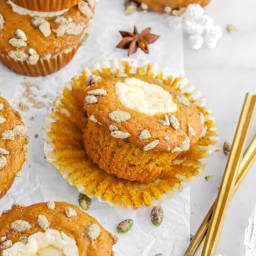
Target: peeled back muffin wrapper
x: 64, y: 146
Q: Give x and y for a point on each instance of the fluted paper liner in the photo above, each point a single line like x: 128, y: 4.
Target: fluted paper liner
x: 64, y: 146
x: 46, y: 5
x: 43, y: 67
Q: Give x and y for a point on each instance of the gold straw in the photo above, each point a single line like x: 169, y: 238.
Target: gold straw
x: 229, y: 178
x: 248, y: 160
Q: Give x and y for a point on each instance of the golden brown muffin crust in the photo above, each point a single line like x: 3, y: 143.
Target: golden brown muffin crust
x: 187, y: 115
x: 35, y: 39
x: 46, y: 5
x: 160, y: 5
x: 16, y: 148
x: 75, y: 227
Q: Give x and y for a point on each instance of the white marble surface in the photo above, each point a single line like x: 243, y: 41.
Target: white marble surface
x: 224, y: 75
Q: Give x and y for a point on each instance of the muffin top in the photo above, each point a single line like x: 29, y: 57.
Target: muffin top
x: 52, y: 229
x: 145, y: 112
x: 23, y: 35
x: 13, y: 140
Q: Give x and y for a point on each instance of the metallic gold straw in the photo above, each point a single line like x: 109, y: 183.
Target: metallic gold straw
x: 229, y: 177
x: 246, y: 164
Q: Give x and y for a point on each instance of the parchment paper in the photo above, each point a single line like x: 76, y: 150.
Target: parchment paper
x: 41, y: 182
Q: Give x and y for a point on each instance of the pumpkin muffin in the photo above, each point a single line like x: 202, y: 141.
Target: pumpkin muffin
x: 35, y: 46
x: 172, y: 7
x: 46, y: 5
x: 53, y: 228
x: 137, y: 126
x: 147, y: 141
x: 13, y: 145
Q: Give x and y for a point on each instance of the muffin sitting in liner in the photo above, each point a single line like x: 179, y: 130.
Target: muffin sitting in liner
x: 137, y: 126
x: 52, y: 229
x: 13, y: 145
x: 129, y: 132
x: 35, y: 45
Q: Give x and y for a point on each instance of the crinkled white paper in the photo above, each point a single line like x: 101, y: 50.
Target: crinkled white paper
x: 42, y: 182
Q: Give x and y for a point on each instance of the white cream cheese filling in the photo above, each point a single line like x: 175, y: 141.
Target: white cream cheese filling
x: 50, y: 243
x: 144, y: 97
x: 22, y: 11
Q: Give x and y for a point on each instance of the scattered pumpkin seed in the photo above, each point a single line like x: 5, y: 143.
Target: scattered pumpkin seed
x: 84, y: 202
x: 226, y: 148
x: 157, y: 215
x: 231, y: 28
x: 125, y: 226
x: 209, y: 177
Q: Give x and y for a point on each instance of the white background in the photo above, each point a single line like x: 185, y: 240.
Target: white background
x: 223, y: 75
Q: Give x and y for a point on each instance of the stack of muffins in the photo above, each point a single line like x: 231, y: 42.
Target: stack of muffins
x: 40, y: 37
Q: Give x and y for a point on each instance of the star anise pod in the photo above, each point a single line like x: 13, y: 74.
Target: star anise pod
x: 135, y: 40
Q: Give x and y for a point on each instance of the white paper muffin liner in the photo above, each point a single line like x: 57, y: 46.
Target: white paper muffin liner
x: 77, y: 169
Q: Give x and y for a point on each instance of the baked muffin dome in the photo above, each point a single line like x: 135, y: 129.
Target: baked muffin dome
x: 53, y: 228
x: 13, y: 145
x: 36, y: 46
x: 162, y: 6
x: 46, y: 5
x: 137, y: 126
